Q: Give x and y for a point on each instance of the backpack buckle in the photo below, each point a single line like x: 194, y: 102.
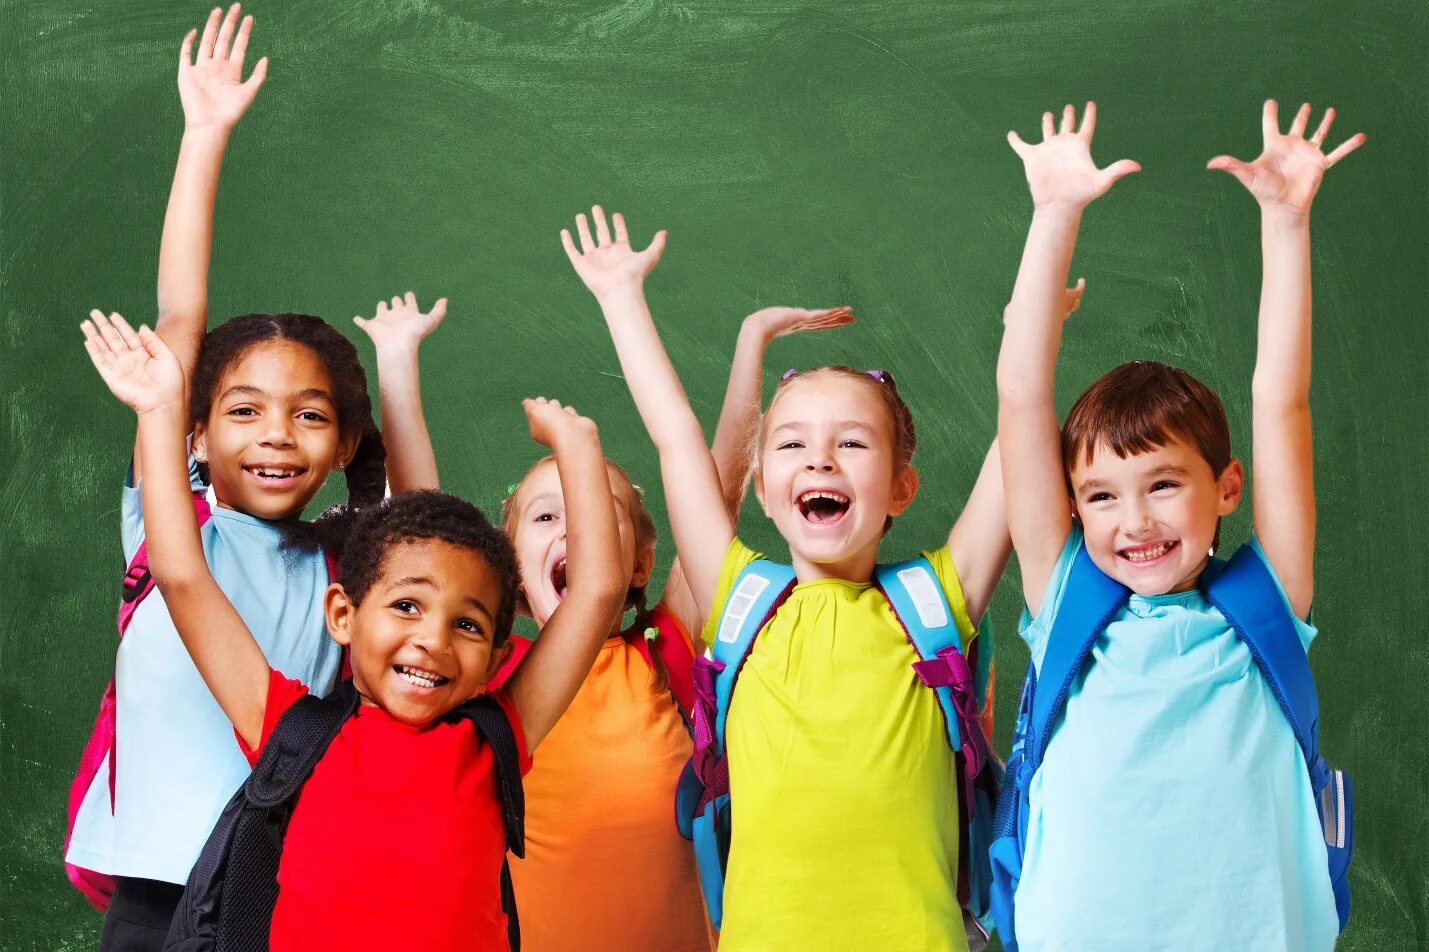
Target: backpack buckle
x: 949, y: 669
x: 136, y: 580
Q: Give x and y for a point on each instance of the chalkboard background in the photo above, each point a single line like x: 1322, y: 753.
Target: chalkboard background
x: 799, y: 152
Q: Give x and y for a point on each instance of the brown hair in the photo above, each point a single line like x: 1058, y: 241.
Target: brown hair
x: 905, y: 436
x: 1139, y: 406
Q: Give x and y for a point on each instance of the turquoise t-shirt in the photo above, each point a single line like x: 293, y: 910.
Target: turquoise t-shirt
x: 1173, y: 809
x: 178, y: 763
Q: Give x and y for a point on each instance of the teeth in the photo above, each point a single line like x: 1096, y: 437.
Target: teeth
x: 276, y: 473
x: 419, y: 677
x: 823, y: 494
x: 1146, y: 555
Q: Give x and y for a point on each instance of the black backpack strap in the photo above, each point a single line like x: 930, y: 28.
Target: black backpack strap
x: 490, y: 720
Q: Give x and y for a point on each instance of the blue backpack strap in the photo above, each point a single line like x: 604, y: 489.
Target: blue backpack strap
x: 1090, y: 600
x: 757, y: 590
x: 921, y: 606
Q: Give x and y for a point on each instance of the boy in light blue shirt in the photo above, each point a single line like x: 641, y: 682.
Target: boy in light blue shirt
x: 1172, y: 809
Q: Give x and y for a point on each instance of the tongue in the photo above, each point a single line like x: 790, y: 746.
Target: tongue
x: 824, y: 510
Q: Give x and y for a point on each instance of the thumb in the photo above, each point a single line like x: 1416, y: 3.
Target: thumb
x: 657, y: 247
x: 1015, y: 140
x: 260, y: 73
x: 439, y: 309
x: 1117, y: 170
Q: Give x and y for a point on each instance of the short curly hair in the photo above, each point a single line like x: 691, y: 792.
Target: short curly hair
x: 420, y: 515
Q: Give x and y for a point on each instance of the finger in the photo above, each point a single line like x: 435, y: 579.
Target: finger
x: 151, y: 341
x: 570, y: 247
x: 360, y: 322
x: 210, y: 33
x: 94, y: 343
x: 411, y: 299
x: 583, y: 229
x: 1116, y: 170
x: 1225, y: 163
x: 1048, y: 130
x: 602, y: 232
x: 1089, y: 122
x: 111, y: 337
x: 126, y: 333
x: 240, y: 43
x: 439, y: 310
x: 186, y: 50
x: 1069, y: 116
x: 225, y: 34
x: 656, y: 247
x: 1270, y: 120
x: 396, y: 303
x: 621, y: 235
x: 1345, y: 148
x: 1018, y: 146
x: 1324, y: 129
x: 1302, y: 118
x: 260, y: 73
x: 570, y: 410
x: 96, y: 356
x: 381, y: 309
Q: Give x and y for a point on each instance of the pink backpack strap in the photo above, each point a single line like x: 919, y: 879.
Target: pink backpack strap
x: 520, y: 647
x: 138, y: 583
x: 672, y: 645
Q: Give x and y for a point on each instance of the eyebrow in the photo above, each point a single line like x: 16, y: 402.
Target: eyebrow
x: 425, y: 582
x: 244, y: 389
x: 544, y: 498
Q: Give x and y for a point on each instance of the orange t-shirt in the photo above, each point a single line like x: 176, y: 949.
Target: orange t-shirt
x: 605, y: 868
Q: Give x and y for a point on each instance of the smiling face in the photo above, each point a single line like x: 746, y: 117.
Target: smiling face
x: 536, y: 523
x: 272, y: 434
x: 423, y: 638
x: 830, y: 474
x: 1150, y: 518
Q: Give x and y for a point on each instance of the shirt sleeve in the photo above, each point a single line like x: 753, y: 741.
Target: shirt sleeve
x: 523, y: 754
x: 131, y: 511
x: 1034, y: 631
x: 1305, y: 629
x: 736, y: 557
x: 947, y: 573
x: 283, y: 693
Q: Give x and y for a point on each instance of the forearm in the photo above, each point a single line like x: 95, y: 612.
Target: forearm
x: 1282, y: 364
x: 739, y: 414
x: 592, y: 534
x: 1033, y: 320
x: 411, y: 461
x: 979, y: 542
x: 187, y: 241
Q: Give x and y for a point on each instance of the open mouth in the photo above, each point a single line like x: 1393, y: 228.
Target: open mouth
x: 822, y: 507
x: 558, y: 578
x: 419, y: 677
x: 1148, y: 554
x: 274, y: 475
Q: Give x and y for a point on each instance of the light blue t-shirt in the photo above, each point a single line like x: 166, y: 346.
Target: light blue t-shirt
x: 1173, y: 809
x: 178, y: 762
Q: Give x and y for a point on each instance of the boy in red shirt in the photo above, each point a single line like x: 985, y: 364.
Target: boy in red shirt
x: 396, y: 839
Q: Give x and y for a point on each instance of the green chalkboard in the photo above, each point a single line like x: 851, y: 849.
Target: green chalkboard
x: 799, y: 152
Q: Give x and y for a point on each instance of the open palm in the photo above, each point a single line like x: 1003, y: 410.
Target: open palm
x: 1290, y: 167
x: 606, y: 262
x: 781, y: 321
x: 401, y: 322
x: 136, y: 366
x: 1060, y: 170
x: 211, y: 87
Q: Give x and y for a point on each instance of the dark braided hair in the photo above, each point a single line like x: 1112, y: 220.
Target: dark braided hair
x: 416, y: 516
x: 366, y: 474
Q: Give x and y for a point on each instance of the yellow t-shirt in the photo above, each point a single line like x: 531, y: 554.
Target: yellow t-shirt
x: 844, y: 810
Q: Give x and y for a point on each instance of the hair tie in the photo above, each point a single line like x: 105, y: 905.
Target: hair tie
x: 790, y: 374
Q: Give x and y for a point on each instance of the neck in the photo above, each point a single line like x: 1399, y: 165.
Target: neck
x: 856, y: 568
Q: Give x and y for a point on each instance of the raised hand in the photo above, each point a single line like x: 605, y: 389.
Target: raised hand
x: 551, y: 423
x: 605, y: 263
x: 1060, y: 170
x: 1288, y: 171
x: 772, y: 322
x: 400, y: 323
x: 211, y: 87
x: 136, y: 366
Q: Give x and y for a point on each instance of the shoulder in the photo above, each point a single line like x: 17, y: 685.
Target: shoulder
x: 941, y: 560
x: 1304, y: 628
x: 283, y: 693
x: 737, y: 557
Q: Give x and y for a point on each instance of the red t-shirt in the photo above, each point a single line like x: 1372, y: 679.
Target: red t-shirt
x: 396, y: 840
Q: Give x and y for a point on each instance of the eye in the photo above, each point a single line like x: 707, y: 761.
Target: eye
x: 1099, y: 497
x: 470, y: 626
x: 312, y: 416
x: 790, y: 445
x: 545, y: 517
x: 243, y: 412
x: 852, y: 445
x: 405, y: 606
x: 1161, y: 484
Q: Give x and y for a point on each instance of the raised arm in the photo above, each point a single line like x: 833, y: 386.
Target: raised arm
x: 146, y: 376
x: 615, y: 273
x: 214, y: 96
x: 1284, y: 179
x: 1063, y: 180
x: 739, y: 419
x: 544, y: 684
x: 397, y: 331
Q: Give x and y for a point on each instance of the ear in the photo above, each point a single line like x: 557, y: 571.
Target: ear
x: 905, y: 487
x: 338, y: 612
x: 644, y: 567
x: 1229, y: 486
x: 347, y: 444
x: 759, y: 489
x: 497, y: 659
x: 198, y: 446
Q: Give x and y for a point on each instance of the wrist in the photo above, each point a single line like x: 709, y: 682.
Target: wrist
x: 211, y: 133
x: 1059, y: 212
x: 625, y: 292
x: 167, y: 413
x: 1281, y: 218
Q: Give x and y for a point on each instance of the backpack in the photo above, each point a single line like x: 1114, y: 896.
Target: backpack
x: 227, y: 905
x: 669, y: 644
x: 702, y: 805
x: 1245, y: 592
x: 98, y: 887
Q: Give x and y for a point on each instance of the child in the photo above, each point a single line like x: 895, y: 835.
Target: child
x: 279, y: 401
x: 394, y: 840
x: 1172, y: 809
x: 847, y: 833
x: 605, y: 867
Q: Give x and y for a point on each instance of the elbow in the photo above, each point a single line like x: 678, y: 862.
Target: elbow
x: 1279, y: 394
x: 174, y: 583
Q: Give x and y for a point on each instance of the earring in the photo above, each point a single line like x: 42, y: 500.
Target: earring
x: 200, y: 456
x: 340, y: 464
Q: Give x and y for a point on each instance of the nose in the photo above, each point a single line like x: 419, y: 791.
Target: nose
x: 277, y: 431
x: 1136, y: 519
x: 432, y: 636
x: 819, y: 461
